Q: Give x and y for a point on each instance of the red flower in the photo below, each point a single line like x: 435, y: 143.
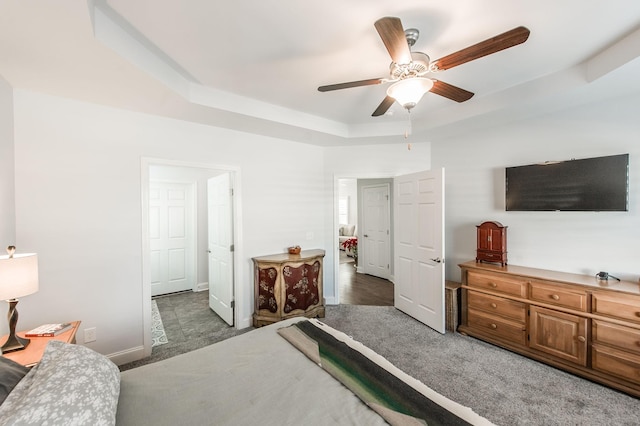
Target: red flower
x: 351, y: 243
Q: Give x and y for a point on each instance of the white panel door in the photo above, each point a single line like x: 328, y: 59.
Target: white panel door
x: 172, y: 240
x: 373, y: 239
x: 419, y: 247
x: 220, y: 245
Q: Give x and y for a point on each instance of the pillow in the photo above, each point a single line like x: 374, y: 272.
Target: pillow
x: 71, y: 385
x: 341, y: 231
x: 10, y: 374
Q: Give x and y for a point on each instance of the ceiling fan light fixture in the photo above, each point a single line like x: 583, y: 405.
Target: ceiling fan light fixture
x: 409, y: 91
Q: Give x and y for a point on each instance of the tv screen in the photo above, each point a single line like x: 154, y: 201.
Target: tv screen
x: 591, y: 184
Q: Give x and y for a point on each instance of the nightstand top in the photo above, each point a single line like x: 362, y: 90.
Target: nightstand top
x: 32, y: 354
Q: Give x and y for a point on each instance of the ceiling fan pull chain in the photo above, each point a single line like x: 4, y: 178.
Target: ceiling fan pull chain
x: 409, y: 129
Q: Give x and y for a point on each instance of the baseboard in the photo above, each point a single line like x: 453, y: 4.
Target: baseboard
x: 202, y: 287
x: 128, y: 355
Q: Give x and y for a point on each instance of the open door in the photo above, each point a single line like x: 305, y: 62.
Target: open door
x: 419, y: 247
x: 220, y: 246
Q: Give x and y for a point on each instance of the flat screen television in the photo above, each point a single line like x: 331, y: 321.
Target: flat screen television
x: 590, y: 184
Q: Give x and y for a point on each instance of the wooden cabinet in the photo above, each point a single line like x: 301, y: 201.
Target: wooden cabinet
x: 288, y: 285
x: 573, y: 322
x: 492, y: 243
x: 559, y: 334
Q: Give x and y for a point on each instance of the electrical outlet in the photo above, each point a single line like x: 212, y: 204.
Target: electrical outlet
x: 89, y: 335
x: 309, y: 235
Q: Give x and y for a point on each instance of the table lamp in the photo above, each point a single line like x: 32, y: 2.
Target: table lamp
x: 18, y: 277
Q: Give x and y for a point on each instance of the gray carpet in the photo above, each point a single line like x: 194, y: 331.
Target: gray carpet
x: 504, y: 387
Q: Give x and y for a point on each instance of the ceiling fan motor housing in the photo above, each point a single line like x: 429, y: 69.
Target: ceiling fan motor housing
x: 418, y: 66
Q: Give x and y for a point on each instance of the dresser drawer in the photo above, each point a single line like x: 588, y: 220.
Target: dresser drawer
x: 497, y: 305
x: 619, y: 305
x: 622, y: 337
x: 507, y: 285
x: 497, y: 327
x: 616, y: 362
x: 559, y: 296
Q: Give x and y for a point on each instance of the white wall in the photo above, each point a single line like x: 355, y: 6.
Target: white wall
x: 577, y: 242
x: 78, y: 204
x: 7, y: 198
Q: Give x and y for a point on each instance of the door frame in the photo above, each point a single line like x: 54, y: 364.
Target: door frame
x: 240, y: 295
x: 336, y: 224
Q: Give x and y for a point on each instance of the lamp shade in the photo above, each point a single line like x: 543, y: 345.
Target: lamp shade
x: 409, y: 91
x: 18, y: 275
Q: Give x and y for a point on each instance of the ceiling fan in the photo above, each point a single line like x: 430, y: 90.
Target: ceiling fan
x: 407, y: 69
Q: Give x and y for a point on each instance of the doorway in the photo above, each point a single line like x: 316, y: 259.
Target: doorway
x: 196, y: 175
x: 354, y: 284
x: 418, y: 245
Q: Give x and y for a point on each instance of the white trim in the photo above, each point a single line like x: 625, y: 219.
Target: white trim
x: 128, y: 355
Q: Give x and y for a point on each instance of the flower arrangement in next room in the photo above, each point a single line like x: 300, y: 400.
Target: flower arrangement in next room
x: 351, y: 244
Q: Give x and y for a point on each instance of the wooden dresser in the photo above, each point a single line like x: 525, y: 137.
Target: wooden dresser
x: 574, y: 322
x: 288, y: 285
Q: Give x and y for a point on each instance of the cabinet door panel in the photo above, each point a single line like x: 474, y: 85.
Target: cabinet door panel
x: 558, y: 334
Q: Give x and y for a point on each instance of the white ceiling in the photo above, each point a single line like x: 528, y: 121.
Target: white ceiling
x: 255, y: 65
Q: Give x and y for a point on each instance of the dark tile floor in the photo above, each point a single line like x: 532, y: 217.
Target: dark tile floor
x: 187, y: 316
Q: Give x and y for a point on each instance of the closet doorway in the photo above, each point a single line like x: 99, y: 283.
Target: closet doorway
x: 183, y: 210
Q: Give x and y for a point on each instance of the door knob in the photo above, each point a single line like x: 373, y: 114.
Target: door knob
x: 437, y: 260
x: 366, y: 236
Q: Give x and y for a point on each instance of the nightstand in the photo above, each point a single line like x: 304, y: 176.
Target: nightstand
x: 32, y: 354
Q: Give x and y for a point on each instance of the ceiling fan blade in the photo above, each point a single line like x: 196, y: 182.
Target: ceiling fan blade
x: 495, y: 44
x: 369, y: 82
x: 383, y: 107
x: 392, y: 35
x: 450, y: 91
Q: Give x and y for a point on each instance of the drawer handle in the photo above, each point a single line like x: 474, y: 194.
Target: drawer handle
x: 581, y: 339
x: 555, y: 297
x: 493, y: 305
x: 494, y: 326
x: 494, y: 285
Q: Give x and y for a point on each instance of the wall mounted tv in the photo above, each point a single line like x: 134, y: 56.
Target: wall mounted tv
x: 590, y: 184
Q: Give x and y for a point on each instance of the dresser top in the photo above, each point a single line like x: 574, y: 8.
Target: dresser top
x: 286, y: 257
x: 563, y: 277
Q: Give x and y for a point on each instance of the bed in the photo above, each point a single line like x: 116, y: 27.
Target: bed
x: 298, y: 371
